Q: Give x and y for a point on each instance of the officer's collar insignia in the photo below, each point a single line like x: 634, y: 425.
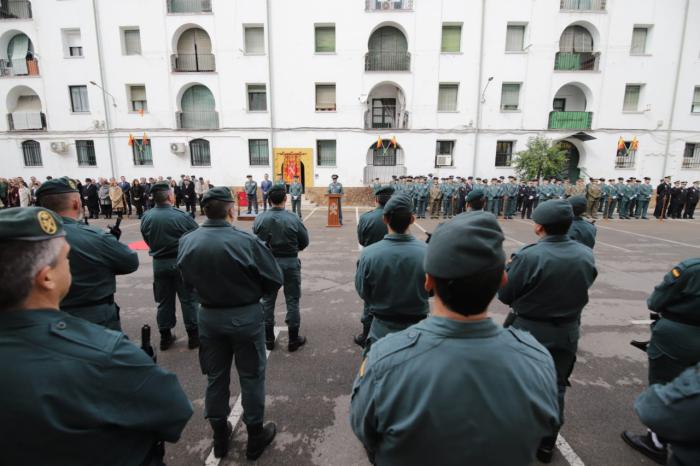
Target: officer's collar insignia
x: 676, y: 273
x: 47, y: 223
x: 362, y: 367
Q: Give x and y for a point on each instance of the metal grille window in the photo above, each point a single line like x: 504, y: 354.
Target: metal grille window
x: 447, y: 97
x: 443, y: 153
x: 583, y: 4
x: 137, y: 98
x: 257, y: 152
x: 504, y: 153
x: 515, y: 38
x: 325, y: 150
x: 199, y: 153
x: 625, y: 158
x: 451, y: 38
x: 79, y: 99
x: 691, y: 156
x: 86, y: 153
x: 696, y: 100
x: 132, y: 41
x: 142, y: 152
x: 325, y: 39
x: 639, y: 40
x: 325, y: 97
x: 631, y: 102
x: 510, y: 97
x: 255, y: 40
x: 384, y: 156
x: 31, y: 150
x: 257, y: 98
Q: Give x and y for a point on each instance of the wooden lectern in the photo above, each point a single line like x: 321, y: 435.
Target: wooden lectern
x: 333, y: 208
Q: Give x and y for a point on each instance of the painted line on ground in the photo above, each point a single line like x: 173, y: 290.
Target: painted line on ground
x: 513, y: 240
x: 613, y: 246
x: 357, y: 220
x: 312, y: 212
x: 642, y: 322
x: 420, y: 227
x: 568, y: 453
x: 652, y: 237
x: 236, y: 412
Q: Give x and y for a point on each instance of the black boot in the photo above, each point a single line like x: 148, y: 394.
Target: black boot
x: 295, y: 341
x: 166, y: 339
x: 269, y: 337
x: 259, y: 437
x: 546, y: 449
x: 645, y: 445
x: 223, y: 430
x: 193, y: 338
x: 361, y: 338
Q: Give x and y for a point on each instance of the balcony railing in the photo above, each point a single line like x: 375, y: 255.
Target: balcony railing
x: 387, y: 61
x: 26, y: 121
x: 583, y: 5
x: 189, y: 6
x: 6, y: 68
x: 391, y: 119
x: 16, y: 9
x: 197, y: 120
x: 191, y: 62
x: 388, y: 5
x: 570, y: 120
x: 576, y: 61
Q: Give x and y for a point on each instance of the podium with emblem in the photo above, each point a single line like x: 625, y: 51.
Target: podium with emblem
x: 333, y: 208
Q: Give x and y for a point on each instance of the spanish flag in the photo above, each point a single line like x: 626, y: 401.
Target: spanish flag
x: 131, y: 140
x: 142, y: 112
x: 380, y: 143
x: 635, y: 144
x: 394, y: 142
x: 621, y: 144
x: 145, y: 140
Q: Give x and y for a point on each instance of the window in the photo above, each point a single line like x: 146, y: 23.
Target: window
x: 132, y: 41
x: 137, y: 99
x: 79, y: 99
x: 510, y: 97
x: 447, y: 97
x: 325, y: 97
x: 632, y: 93
x: 257, y: 98
x: 504, y: 153
x: 199, y: 153
x: 255, y: 40
x: 625, y: 157
x: 31, y: 150
x: 257, y: 152
x: 515, y: 38
x: 72, y: 43
x: 325, y: 153
x: 325, y: 39
x: 696, y: 101
x: 639, y: 40
x: 451, y: 38
x: 142, y: 152
x: 443, y: 153
x: 691, y: 156
x: 86, y: 153
x: 384, y: 156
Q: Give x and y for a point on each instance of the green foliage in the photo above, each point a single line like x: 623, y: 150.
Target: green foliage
x: 542, y: 159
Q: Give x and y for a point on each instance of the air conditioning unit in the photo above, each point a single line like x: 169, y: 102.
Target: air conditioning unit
x: 178, y: 148
x: 59, y: 147
x: 444, y: 161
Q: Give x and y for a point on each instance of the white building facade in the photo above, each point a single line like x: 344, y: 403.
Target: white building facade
x: 225, y: 88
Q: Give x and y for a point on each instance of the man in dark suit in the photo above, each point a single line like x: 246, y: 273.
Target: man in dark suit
x: 126, y: 189
x: 91, y: 199
x: 662, y: 190
x: 189, y: 196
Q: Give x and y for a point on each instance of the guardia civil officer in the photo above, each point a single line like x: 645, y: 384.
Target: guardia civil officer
x: 337, y: 188
x: 390, y: 274
x: 161, y: 228
x: 372, y: 229
x: 547, y: 290
x: 295, y: 190
x: 475, y: 200
x: 230, y: 318
x: 96, y: 257
x: 675, y: 341
x: 581, y: 230
x: 457, y: 389
x: 73, y: 393
x: 286, y: 235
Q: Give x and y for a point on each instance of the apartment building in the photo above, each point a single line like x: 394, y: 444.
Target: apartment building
x: 362, y: 88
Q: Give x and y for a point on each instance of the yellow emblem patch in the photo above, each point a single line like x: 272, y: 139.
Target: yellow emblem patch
x: 71, y: 183
x: 47, y: 223
x: 676, y: 273
x: 362, y: 368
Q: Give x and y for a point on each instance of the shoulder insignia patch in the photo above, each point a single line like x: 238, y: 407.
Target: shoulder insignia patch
x: 676, y: 272
x: 362, y: 367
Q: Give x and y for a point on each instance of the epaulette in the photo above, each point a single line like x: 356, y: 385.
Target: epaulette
x: 392, y: 344
x: 528, y: 340
x: 86, y: 334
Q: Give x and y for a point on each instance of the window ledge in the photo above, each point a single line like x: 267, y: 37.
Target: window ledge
x: 578, y: 71
x: 326, y: 111
x: 599, y: 12
x: 452, y: 53
x: 516, y: 52
x: 625, y: 168
x: 504, y: 167
x: 511, y: 111
x: 132, y: 55
x: 80, y: 113
x: 74, y: 58
x: 325, y: 53
x: 695, y: 113
x: 640, y: 54
x: 132, y: 112
x: 185, y: 13
x: 448, y: 111
x: 256, y: 111
x: 632, y: 112
x: 326, y: 166
x: 254, y: 54
x: 447, y: 167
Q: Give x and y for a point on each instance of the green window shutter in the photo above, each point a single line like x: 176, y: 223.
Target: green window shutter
x: 325, y: 39
x: 451, y: 38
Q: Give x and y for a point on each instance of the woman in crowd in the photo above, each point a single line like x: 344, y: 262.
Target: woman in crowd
x: 105, y: 201
x: 137, y: 197
x: 25, y: 194
x: 116, y: 195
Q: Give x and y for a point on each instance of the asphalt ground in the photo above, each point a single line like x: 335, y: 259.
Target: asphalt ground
x: 308, y: 392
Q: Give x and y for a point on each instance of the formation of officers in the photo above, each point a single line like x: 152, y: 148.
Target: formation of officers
x: 78, y: 392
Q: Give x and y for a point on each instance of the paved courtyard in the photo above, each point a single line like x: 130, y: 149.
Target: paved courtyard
x: 308, y: 392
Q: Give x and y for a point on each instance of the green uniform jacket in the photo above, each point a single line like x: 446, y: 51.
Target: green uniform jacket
x: 544, y: 192
x: 371, y: 228
x: 74, y: 393
x: 335, y: 188
x: 295, y: 189
x: 283, y: 231
x: 672, y: 412
x: 390, y: 277
x: 451, y: 393
x: 645, y: 191
x: 96, y: 257
x: 583, y: 231
x: 549, y: 279
x: 251, y: 187
x: 162, y: 227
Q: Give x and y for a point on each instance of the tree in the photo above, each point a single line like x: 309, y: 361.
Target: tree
x: 542, y: 159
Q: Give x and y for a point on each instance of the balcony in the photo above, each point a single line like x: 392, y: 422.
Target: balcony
x: 583, y: 5
x: 388, y: 5
x: 570, y: 120
x: 26, y: 121
x: 197, y: 120
x: 189, y: 6
x: 387, y: 61
x: 193, y: 62
x: 7, y: 70
x: 576, y: 61
x: 16, y: 9
x: 386, y: 117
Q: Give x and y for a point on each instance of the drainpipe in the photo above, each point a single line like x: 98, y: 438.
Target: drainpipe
x: 675, y: 89
x: 269, y: 79
x: 478, y: 89
x: 103, y: 84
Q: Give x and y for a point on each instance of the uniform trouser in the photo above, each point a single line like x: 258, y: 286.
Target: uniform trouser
x: 252, y: 202
x: 381, y: 328
x: 296, y: 206
x: 642, y: 208
x: 340, y: 212
x: 435, y: 208
x: 495, y: 206
x: 291, y: 269
x: 624, y: 208
x: 673, y: 348
x: 266, y: 199
x: 510, y: 206
x: 659, y: 206
x: 601, y: 205
x: 167, y: 283
x: 420, y: 206
x: 592, y: 207
x: 612, y: 204
x: 519, y: 205
x: 94, y: 210
x: 690, y: 210
x: 632, y: 207
x: 446, y: 206
x: 676, y: 209
x: 527, y: 208
x: 106, y: 315
x: 227, y: 336
x: 191, y: 206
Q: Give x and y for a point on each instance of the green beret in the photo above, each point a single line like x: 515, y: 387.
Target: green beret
x: 475, y: 196
x: 578, y: 204
x: 552, y: 212
x: 160, y: 186
x: 61, y: 185
x: 277, y: 187
x: 30, y: 224
x: 219, y: 193
x: 384, y: 190
x: 399, y: 203
x: 465, y: 246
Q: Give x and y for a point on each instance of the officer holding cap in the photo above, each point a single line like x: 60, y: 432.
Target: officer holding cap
x: 581, y: 230
x: 547, y: 290
x: 231, y: 317
x: 337, y: 188
x: 78, y: 393
x: 96, y: 257
x: 495, y: 388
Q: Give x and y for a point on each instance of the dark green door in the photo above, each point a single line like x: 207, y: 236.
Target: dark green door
x: 572, y: 155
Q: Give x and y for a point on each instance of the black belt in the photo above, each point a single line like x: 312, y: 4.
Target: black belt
x: 226, y: 306
x: 285, y: 254
x: 99, y: 302
x: 167, y: 256
x: 400, y: 318
x: 550, y: 320
x: 680, y: 319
